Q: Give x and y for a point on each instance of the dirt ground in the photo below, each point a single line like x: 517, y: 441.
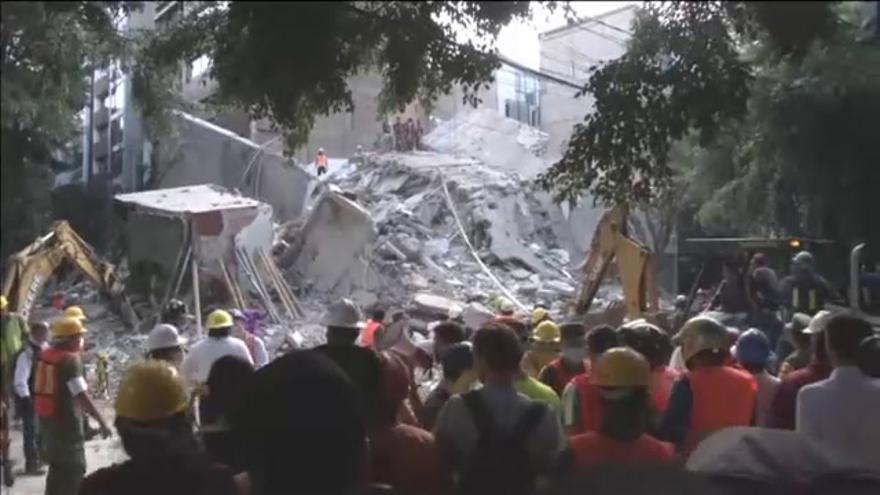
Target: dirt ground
x: 99, y: 453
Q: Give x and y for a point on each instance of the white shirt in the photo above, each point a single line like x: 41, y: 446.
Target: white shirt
x: 197, y: 363
x: 259, y: 354
x: 22, y: 373
x: 841, y: 412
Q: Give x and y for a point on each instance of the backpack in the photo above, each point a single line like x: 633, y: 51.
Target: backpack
x: 500, y: 464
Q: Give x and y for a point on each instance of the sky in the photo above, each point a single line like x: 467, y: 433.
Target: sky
x: 519, y: 40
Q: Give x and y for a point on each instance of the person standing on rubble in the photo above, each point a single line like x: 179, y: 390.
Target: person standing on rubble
x: 176, y: 313
x: 23, y: 386
x: 374, y: 327
x: 398, y: 134
x: 255, y: 345
x: 197, y: 364
x: 623, y: 377
x: 61, y: 397
x: 321, y: 162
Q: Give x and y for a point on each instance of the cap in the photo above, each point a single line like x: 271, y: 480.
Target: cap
x: 798, y: 323
x: 164, y: 336
x: 752, y: 347
x: 343, y: 313
x: 817, y: 324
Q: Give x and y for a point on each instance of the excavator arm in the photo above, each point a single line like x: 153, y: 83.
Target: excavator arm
x: 635, y: 263
x: 30, y: 268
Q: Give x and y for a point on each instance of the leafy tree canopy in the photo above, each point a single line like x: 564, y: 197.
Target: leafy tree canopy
x: 291, y: 61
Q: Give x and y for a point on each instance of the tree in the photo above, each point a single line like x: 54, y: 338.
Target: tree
x: 46, y: 48
x: 767, y: 120
x: 290, y: 61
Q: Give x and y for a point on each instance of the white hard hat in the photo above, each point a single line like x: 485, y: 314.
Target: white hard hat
x: 343, y: 313
x: 164, y: 336
x: 320, y: 150
x: 818, y: 322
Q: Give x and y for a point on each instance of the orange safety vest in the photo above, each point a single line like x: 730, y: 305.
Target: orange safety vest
x: 368, y: 337
x: 722, y: 397
x: 662, y: 380
x: 593, y: 448
x: 46, y: 384
x: 590, y: 400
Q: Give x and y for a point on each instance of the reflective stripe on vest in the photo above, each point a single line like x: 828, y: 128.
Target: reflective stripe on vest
x: 722, y: 397
x: 46, y: 382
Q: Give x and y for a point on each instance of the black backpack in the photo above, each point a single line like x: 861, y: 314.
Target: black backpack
x: 500, y: 463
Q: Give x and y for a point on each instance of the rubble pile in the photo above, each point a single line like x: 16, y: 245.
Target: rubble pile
x: 418, y: 253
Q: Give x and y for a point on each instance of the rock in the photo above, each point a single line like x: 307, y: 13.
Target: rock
x: 559, y: 287
x: 418, y: 282
x: 388, y: 251
x: 528, y: 289
x: 475, y: 315
x: 409, y: 246
x: 520, y: 274
x: 435, y: 305
x: 437, y: 247
x: 560, y: 255
x: 546, y: 294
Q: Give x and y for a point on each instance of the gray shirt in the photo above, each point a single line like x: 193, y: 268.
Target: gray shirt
x: 455, y: 427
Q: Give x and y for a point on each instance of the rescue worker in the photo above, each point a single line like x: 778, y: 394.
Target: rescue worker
x: 752, y: 352
x: 197, y: 364
x: 23, y: 387
x: 375, y: 325
x: 540, y: 314
x: 321, y: 162
x: 61, y: 397
x: 76, y: 312
x: 498, y: 440
x: 457, y: 360
x: 165, y: 344
x: 795, y: 347
x: 401, y: 455
x: 230, y: 376
x: 805, y: 291
x: 545, y: 347
x: 255, y: 345
x: 176, y: 313
x: 446, y: 334
x: 572, y: 360
x: 344, y: 322
x: 13, y: 334
x: 655, y: 346
x: 157, y: 434
x: 785, y: 400
x: 581, y: 401
x: 504, y: 307
x: 710, y: 396
x: 832, y: 412
x: 623, y: 377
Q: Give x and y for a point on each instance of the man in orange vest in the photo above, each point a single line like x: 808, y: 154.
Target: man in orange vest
x: 710, y: 395
x: 581, y: 400
x: 60, y: 399
x: 623, y: 376
x: 375, y: 325
x: 321, y: 162
x: 571, y: 361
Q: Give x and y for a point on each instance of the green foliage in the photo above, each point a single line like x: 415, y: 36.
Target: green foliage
x: 661, y: 88
x: 291, y: 61
x: 46, y: 47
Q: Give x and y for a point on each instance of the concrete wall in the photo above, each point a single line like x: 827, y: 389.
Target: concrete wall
x: 207, y: 154
x: 568, y: 53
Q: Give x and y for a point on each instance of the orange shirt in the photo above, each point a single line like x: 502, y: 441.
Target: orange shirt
x: 406, y: 458
x: 592, y: 448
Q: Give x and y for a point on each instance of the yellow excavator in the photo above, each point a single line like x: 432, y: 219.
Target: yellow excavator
x: 29, y: 269
x: 635, y: 265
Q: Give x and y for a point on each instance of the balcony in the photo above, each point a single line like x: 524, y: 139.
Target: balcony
x: 102, y: 86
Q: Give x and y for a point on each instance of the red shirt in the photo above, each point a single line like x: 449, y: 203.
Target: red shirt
x: 662, y: 379
x: 592, y: 448
x: 406, y: 458
x: 785, y: 401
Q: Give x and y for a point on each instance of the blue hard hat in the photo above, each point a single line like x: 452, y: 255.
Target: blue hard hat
x: 752, y: 347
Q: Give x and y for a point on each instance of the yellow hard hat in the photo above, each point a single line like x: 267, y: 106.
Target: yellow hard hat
x: 699, y: 334
x: 150, y: 390
x: 219, y: 319
x: 67, y: 326
x: 546, y: 332
x: 539, y: 314
x: 3, y: 302
x: 75, y: 312
x: 622, y: 367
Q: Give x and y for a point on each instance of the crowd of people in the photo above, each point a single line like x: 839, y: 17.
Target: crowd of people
x: 523, y: 404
